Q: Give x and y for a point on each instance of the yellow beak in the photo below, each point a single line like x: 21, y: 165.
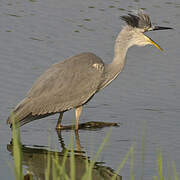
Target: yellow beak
x: 153, y: 43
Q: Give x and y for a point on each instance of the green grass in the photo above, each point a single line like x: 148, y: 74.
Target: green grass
x: 56, y: 170
x: 18, y: 170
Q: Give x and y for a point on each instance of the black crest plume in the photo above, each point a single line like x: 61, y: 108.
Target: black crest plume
x: 140, y: 20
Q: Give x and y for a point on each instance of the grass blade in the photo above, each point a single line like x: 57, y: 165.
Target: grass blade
x: 132, y: 163
x: 174, y: 171
x: 160, y: 165
x: 17, y: 150
x: 122, y: 163
x: 72, y: 161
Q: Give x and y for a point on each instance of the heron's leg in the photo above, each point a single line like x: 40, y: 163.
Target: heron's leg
x: 78, y: 112
x: 58, y: 125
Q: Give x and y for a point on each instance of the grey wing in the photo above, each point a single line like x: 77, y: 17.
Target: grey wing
x: 65, y: 85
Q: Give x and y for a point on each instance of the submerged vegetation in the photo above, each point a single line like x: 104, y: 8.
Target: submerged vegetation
x: 72, y: 164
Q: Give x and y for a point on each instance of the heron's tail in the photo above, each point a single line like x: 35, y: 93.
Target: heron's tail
x: 20, y: 113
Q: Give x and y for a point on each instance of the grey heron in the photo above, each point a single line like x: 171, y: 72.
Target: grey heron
x: 73, y: 82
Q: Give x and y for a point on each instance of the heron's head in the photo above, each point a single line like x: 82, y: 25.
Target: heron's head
x: 137, y: 26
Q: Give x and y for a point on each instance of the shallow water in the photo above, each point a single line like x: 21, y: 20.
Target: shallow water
x: 35, y: 34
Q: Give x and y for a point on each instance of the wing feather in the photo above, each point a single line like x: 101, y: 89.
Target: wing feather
x: 65, y: 85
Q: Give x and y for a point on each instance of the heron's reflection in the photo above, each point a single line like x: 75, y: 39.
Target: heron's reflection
x: 35, y: 160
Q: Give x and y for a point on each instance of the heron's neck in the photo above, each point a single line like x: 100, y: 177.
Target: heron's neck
x: 122, y: 44
x: 120, y: 50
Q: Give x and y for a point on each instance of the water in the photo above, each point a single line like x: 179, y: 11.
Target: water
x: 35, y: 34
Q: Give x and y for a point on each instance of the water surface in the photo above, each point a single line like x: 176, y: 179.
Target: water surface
x: 35, y: 34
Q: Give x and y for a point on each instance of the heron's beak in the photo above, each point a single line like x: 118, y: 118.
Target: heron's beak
x: 155, y: 28
x: 150, y: 41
